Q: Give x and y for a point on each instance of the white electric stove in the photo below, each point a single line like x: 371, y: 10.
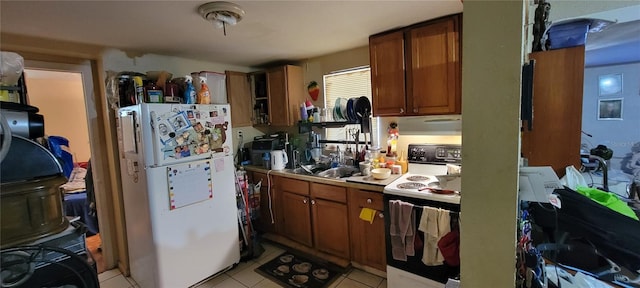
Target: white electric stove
x: 425, y: 162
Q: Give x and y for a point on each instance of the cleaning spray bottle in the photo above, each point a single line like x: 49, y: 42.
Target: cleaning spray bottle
x: 204, y: 96
x: 190, y: 91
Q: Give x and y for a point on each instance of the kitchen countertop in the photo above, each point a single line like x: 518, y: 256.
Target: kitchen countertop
x: 371, y: 181
x: 358, y: 182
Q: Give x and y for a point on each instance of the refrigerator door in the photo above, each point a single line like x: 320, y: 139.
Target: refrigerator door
x: 176, y: 133
x: 194, y: 222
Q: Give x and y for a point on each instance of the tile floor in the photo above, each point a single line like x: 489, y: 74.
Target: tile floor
x: 243, y: 276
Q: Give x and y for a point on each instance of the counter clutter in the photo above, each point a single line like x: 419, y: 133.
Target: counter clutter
x: 355, y: 181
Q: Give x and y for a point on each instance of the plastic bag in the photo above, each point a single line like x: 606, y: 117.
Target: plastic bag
x: 11, y: 68
x: 573, y: 178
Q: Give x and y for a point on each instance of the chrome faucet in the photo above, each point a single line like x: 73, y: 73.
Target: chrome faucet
x: 605, y: 171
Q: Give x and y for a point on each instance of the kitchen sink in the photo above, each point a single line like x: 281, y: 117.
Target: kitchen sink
x: 299, y: 171
x: 338, y: 172
x: 326, y: 172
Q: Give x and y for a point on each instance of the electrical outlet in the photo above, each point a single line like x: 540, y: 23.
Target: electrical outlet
x: 239, y: 133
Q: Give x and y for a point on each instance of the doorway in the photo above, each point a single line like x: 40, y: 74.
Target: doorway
x: 61, y: 93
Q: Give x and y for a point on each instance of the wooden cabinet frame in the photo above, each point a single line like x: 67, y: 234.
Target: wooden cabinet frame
x: 416, y: 70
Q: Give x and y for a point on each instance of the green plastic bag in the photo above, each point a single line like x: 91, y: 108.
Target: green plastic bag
x: 608, y: 199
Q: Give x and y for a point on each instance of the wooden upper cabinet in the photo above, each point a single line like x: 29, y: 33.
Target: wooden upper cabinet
x: 386, y: 54
x: 558, y: 81
x: 239, y: 95
x: 285, y: 92
x: 433, y: 83
x: 416, y: 71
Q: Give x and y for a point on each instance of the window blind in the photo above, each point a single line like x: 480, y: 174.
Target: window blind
x: 354, y: 83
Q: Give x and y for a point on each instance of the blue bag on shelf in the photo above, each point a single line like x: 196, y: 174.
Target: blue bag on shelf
x: 59, y: 146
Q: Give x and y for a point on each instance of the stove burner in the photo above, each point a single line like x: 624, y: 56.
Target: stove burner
x: 411, y: 185
x: 418, y: 178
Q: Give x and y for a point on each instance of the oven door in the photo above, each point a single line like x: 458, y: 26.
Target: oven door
x: 414, y: 265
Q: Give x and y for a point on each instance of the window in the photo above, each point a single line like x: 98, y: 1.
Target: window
x: 347, y: 84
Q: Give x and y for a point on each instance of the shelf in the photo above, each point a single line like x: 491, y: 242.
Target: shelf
x: 304, y: 127
x: 11, y: 88
x: 261, y: 98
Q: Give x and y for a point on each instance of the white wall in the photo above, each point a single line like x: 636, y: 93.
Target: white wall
x: 619, y: 135
x: 492, y: 49
x: 118, y: 61
x: 60, y: 98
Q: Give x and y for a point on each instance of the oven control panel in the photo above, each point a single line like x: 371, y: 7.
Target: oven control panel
x: 434, y: 153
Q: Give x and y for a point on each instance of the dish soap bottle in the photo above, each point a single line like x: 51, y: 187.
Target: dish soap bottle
x: 392, y: 139
x: 189, y: 91
x: 403, y: 163
x: 204, y: 97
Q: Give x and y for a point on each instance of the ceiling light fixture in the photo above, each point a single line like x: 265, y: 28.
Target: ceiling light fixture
x: 221, y: 13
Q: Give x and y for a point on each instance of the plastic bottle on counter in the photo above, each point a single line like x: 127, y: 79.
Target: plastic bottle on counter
x: 316, y: 115
x: 189, y: 91
x: 303, y: 113
x: 204, y: 96
x: 138, y: 88
x: 403, y: 164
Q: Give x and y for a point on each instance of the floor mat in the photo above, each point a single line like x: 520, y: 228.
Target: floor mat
x: 292, y: 270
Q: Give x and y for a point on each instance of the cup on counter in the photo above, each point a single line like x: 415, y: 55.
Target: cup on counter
x: 365, y: 168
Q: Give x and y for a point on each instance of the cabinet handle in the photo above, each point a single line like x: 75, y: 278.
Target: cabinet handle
x: 401, y: 110
x: 380, y: 215
x: 313, y: 202
x: 304, y: 200
x: 369, y: 200
x: 415, y: 110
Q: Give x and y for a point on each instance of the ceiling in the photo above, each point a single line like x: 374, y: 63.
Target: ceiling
x: 272, y: 31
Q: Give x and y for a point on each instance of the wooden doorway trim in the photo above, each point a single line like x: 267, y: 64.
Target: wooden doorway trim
x: 103, y: 136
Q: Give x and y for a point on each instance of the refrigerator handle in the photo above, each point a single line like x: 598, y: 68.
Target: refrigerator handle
x: 153, y: 116
x: 129, y: 133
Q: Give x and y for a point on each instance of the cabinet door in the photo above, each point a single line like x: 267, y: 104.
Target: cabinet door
x: 268, y: 203
x: 296, y: 218
x: 433, y: 79
x: 277, y: 88
x: 239, y: 95
x: 557, y: 120
x: 367, y: 239
x: 386, y: 54
x: 330, y: 227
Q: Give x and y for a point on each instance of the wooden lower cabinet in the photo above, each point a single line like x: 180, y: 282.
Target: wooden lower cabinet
x: 315, y: 215
x: 367, y: 239
x: 325, y: 218
x: 294, y: 206
x: 268, y: 203
x: 296, y: 218
x: 330, y: 224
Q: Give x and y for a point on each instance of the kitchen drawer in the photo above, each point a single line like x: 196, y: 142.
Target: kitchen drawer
x: 294, y: 186
x: 329, y: 192
x: 366, y: 199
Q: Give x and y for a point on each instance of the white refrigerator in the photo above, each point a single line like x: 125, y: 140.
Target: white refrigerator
x: 178, y: 191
